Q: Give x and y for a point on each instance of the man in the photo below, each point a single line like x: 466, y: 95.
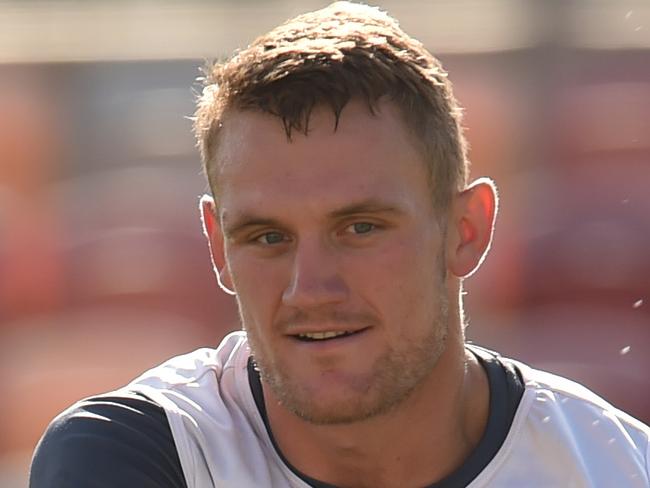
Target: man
x: 343, y: 222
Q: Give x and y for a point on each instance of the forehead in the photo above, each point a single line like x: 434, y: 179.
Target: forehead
x: 367, y: 156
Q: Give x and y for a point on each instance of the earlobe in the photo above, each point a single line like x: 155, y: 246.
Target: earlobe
x: 471, y: 227
x: 212, y: 231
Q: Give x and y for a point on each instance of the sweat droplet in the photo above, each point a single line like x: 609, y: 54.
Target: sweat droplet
x: 625, y: 350
x: 637, y: 304
x: 628, y: 15
x: 546, y: 419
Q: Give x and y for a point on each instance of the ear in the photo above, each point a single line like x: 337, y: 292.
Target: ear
x: 470, y: 227
x: 212, y: 231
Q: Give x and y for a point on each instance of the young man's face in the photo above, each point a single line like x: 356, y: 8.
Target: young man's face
x: 336, y: 256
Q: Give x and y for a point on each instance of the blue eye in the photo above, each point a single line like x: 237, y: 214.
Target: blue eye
x: 362, y: 227
x: 271, y: 238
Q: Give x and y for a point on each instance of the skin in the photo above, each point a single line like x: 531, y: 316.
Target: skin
x: 335, y: 231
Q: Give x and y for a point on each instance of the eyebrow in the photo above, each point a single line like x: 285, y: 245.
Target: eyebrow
x: 365, y: 206
x: 246, y: 220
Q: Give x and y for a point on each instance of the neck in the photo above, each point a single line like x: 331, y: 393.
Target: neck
x: 423, y: 440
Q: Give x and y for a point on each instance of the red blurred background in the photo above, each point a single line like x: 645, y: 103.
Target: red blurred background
x: 103, y: 268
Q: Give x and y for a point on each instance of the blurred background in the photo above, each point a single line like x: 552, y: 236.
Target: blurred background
x: 103, y: 268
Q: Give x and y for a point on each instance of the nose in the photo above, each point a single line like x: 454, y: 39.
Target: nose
x: 316, y: 277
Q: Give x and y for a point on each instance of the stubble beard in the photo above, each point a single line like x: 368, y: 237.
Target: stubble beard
x: 394, y: 376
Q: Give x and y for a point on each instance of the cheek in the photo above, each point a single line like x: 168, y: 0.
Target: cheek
x: 258, y: 285
x: 250, y: 272
x: 402, y: 280
x: 394, y: 271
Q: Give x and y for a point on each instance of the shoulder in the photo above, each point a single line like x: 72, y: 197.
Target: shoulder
x: 118, y: 439
x: 564, y: 423
x: 192, y: 367
x: 575, y: 400
x: 563, y: 434
x: 150, y: 432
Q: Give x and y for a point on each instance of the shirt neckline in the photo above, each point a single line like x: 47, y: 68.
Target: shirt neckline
x: 506, y: 390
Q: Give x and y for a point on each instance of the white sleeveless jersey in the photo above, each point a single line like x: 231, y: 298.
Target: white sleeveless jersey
x: 562, y: 435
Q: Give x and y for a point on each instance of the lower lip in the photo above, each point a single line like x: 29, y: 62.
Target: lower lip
x: 326, y: 345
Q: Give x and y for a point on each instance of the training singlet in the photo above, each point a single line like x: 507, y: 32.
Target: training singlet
x: 552, y: 433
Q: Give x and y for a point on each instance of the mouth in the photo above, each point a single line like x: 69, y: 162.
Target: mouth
x: 323, y: 336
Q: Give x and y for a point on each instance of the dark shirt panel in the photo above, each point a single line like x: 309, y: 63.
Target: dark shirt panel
x: 121, y: 439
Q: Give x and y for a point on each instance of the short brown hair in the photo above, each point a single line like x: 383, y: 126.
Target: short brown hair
x: 328, y: 57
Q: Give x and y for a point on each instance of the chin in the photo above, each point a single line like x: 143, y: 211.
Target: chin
x: 344, y: 412
x: 346, y: 398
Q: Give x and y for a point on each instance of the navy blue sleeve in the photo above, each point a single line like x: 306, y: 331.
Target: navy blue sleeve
x: 118, y: 440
